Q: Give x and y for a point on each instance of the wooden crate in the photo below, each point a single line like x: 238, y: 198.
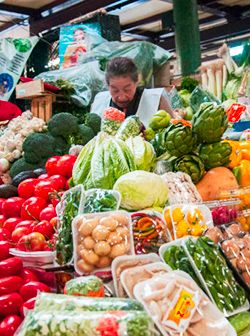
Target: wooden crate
x: 31, y: 89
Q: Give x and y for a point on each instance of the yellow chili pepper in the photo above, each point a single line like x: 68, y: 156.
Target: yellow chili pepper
x: 242, y: 173
x: 236, y: 155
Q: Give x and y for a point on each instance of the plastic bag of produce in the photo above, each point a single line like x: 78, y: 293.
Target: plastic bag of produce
x: 143, y: 152
x: 131, y: 127
x: 199, y: 96
x: 71, y: 205
x: 241, y: 323
x: 141, y: 190
x: 101, y: 200
x: 68, y: 323
x: 112, y: 119
x: 58, y: 302
x: 85, y: 286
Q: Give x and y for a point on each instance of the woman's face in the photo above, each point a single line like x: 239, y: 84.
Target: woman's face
x: 122, y: 90
x: 78, y: 35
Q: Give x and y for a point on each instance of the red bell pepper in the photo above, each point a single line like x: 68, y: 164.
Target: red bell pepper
x: 31, y: 289
x: 235, y: 112
x: 10, y: 266
x: 10, y: 304
x: 10, y: 284
x: 9, y: 325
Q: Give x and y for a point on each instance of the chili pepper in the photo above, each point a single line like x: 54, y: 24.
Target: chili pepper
x: 236, y: 154
x: 242, y: 173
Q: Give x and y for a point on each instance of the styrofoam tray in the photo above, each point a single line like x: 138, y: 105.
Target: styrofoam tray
x: 34, y: 258
x: 213, y: 308
x: 245, y: 307
x: 100, y: 215
x: 153, y: 257
x: 159, y: 265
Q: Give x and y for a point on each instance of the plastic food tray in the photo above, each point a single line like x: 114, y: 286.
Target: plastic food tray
x: 100, y: 215
x: 115, y: 193
x: 39, y: 258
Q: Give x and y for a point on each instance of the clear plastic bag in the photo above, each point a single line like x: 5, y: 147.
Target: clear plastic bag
x: 101, y: 200
x: 224, y: 212
x: 71, y: 205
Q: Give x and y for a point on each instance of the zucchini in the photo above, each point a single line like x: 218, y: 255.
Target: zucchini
x: 23, y: 176
x: 8, y: 190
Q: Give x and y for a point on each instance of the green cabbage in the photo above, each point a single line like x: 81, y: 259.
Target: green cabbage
x: 141, y: 190
x: 143, y: 152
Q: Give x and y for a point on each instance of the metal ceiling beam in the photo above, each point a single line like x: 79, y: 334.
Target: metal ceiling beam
x: 17, y: 9
x: 223, y: 32
x: 51, y: 5
x: 142, y: 22
x: 70, y: 13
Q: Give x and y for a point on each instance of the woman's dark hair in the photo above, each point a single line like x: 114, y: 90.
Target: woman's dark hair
x: 121, y: 66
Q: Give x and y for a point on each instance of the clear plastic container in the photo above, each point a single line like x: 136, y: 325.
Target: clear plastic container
x: 161, y: 296
x: 149, y: 231
x: 130, y: 277
x: 39, y: 258
x: 224, y: 212
x: 122, y: 263
x: 99, y: 238
x: 187, y: 220
x: 114, y: 193
x: 227, y: 280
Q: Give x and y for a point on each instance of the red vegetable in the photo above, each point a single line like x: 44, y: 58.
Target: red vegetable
x: 4, y: 250
x: 31, y: 289
x: 45, y: 228
x: 12, y: 207
x: 26, y: 188
x: 2, y: 220
x: 10, y: 266
x: 235, y: 112
x: 59, y: 181
x: 32, y: 207
x: 32, y: 242
x: 10, y: 284
x: 18, y: 233
x: 44, y: 188
x: 11, y: 223
x: 43, y: 177
x: 28, y: 305
x: 65, y: 165
x: 27, y: 275
x: 4, y: 234
x: 26, y: 223
x: 10, y: 304
x: 51, y: 165
x: 9, y: 325
x: 48, y: 213
x: 1, y: 204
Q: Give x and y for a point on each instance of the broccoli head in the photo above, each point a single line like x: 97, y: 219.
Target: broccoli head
x: 93, y: 121
x: 38, y: 146
x: 61, y: 146
x: 84, y: 135
x: 63, y: 124
x: 189, y: 84
x: 21, y: 165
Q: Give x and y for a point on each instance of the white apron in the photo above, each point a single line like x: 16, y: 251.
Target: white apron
x: 149, y: 104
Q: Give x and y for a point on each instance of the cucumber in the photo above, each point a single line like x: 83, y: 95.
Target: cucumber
x: 23, y: 176
x: 8, y: 190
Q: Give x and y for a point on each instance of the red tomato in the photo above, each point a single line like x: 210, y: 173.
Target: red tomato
x: 43, y: 177
x: 55, y: 198
x: 11, y: 223
x: 27, y: 306
x: 1, y: 204
x: 32, y: 242
x: 45, y: 228
x: 9, y: 325
x: 50, y: 245
x: 18, y: 233
x: 32, y: 207
x: 10, y: 304
x: 65, y: 165
x: 67, y: 185
x: 31, y: 289
x: 26, y: 188
x: 2, y: 220
x: 10, y: 266
x: 51, y: 165
x: 54, y: 222
x: 4, y: 250
x: 4, y: 234
x: 44, y: 188
x: 47, y: 213
x: 26, y: 223
x: 27, y: 275
x: 12, y: 207
x: 59, y: 181
x: 10, y: 284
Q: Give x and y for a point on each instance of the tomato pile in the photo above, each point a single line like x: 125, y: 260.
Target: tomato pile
x: 29, y: 221
x: 19, y: 287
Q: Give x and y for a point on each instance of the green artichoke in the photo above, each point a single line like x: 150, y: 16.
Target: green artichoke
x: 216, y: 154
x: 209, y: 123
x: 191, y: 165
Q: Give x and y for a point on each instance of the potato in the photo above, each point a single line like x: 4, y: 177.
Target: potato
x: 114, y: 238
x: 118, y: 250
x: 123, y: 232
x: 79, y: 248
x: 84, y: 267
x: 109, y: 222
x: 89, y: 256
x: 120, y: 218
x: 102, y: 248
x: 230, y: 249
x: 88, y: 226
x: 100, y: 233
x: 104, y: 262
x: 88, y: 243
x: 79, y: 221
